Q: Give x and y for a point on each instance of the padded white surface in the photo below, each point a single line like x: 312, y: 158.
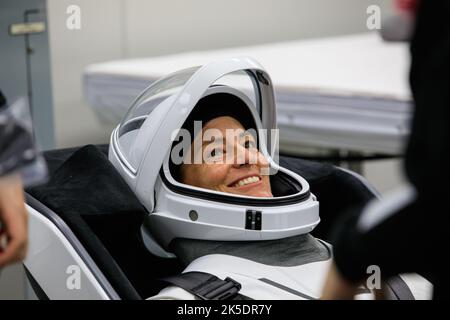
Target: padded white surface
x: 346, y: 92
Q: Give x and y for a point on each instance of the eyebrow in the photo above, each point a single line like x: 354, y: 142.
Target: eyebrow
x: 220, y: 140
x: 213, y: 141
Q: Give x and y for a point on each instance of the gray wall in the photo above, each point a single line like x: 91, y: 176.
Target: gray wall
x: 15, y: 71
x: 160, y: 27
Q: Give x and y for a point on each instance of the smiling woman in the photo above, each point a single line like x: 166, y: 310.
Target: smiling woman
x: 232, y: 165
x: 223, y: 151
x: 199, y: 149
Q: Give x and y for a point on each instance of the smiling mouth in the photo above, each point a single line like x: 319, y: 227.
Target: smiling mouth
x: 245, y: 181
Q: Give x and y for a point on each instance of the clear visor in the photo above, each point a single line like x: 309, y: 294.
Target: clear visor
x: 143, y: 106
x: 243, y: 83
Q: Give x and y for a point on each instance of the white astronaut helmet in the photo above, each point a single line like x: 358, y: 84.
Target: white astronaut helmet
x: 141, y: 149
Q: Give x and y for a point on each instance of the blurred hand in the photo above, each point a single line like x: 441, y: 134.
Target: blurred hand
x: 13, y: 221
x: 338, y: 288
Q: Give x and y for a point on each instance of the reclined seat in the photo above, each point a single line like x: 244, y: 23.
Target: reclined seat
x: 122, y: 225
x: 87, y: 216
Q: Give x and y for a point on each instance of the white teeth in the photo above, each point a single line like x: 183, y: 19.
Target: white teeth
x: 248, y: 180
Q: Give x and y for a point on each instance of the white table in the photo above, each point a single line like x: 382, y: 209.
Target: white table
x: 343, y: 93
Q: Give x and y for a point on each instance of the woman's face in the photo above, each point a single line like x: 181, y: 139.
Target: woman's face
x: 232, y: 164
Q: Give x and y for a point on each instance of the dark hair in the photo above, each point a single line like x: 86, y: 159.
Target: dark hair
x: 2, y: 100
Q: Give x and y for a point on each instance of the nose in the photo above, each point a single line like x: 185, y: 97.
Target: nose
x: 244, y: 157
x: 241, y: 157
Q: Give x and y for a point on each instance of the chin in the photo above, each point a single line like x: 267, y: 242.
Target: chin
x: 264, y: 195
x: 259, y: 194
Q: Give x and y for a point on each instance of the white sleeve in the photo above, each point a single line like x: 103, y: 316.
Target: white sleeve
x: 173, y: 293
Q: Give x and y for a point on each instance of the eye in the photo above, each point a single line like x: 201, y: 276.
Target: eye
x: 249, y: 144
x: 216, y: 152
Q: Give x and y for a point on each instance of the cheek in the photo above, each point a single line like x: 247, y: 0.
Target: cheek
x: 207, y: 176
x: 266, y: 181
x: 214, y: 175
